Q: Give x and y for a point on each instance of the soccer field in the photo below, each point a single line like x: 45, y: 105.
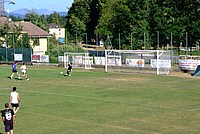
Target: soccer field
x: 94, y: 102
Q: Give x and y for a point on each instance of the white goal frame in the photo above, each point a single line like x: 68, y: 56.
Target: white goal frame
x: 138, y: 61
x: 78, y: 60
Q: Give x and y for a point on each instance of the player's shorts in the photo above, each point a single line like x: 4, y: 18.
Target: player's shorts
x: 8, y: 127
x: 14, y: 71
x: 15, y: 105
x: 23, y: 73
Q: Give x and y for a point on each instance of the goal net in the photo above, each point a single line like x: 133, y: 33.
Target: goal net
x: 78, y: 60
x: 138, y: 61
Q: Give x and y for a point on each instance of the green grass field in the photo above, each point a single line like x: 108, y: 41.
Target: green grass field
x: 94, y: 102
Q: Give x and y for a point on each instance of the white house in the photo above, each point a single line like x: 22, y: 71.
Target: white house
x: 57, y: 31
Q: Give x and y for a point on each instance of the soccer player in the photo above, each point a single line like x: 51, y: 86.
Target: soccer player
x: 15, y: 100
x: 69, y: 69
x: 8, y: 118
x: 24, y: 72
x: 14, y: 70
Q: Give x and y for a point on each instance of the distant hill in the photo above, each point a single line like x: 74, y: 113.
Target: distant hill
x: 22, y: 12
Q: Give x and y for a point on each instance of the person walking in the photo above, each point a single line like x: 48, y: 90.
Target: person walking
x: 15, y: 100
x: 8, y: 118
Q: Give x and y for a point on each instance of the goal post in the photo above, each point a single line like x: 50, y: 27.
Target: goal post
x: 163, y: 62
x: 78, y: 60
x: 138, y: 61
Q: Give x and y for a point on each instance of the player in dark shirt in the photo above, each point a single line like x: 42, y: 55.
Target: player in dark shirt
x: 14, y: 70
x: 8, y: 118
x: 69, y: 69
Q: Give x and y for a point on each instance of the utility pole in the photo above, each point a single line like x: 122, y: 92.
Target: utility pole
x: 2, y: 9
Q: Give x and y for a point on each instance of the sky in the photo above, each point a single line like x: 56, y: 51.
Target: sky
x: 52, y: 5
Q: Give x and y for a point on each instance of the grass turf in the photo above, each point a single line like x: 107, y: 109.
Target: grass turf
x: 94, y: 102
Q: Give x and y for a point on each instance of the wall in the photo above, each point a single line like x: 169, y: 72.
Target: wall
x: 58, y: 32
x: 41, y: 48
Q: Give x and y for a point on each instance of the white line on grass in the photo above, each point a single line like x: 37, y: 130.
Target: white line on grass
x: 75, y: 96
x: 149, y: 80
x: 173, y: 81
x: 194, y: 109
x: 93, y: 98
x: 4, y: 95
x: 97, y: 124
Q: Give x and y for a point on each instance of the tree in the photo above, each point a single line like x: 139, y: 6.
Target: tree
x: 15, y: 18
x: 77, y: 19
x: 151, y: 23
x: 140, y: 27
x: 32, y: 16
x: 77, y: 28
x: 4, y: 30
x: 54, y: 18
x: 42, y: 22
x: 12, y: 35
x: 36, y: 19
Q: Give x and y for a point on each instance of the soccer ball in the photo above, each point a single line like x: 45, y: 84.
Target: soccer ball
x: 61, y: 72
x: 19, y: 77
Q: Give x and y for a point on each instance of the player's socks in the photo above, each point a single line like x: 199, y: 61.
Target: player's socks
x: 11, y: 76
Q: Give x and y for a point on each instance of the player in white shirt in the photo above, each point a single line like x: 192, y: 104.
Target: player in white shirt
x: 24, y: 71
x: 14, y: 100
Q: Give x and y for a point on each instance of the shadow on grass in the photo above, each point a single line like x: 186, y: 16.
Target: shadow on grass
x: 15, y: 79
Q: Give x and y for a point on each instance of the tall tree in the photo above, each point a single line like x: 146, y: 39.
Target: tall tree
x: 35, y: 18
x: 54, y: 18
x: 151, y: 23
x: 77, y: 18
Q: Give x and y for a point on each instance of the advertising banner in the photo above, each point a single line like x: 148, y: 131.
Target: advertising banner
x: 135, y: 62
x: 99, y: 60
x: 188, y: 64
x: 114, y: 60
x: 162, y: 63
x: 77, y: 59
x: 39, y: 58
x: 61, y: 58
x: 18, y: 57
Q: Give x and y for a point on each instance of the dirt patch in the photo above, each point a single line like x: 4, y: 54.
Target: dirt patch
x: 182, y: 74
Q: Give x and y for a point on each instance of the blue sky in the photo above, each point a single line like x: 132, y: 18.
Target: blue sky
x: 52, y: 5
